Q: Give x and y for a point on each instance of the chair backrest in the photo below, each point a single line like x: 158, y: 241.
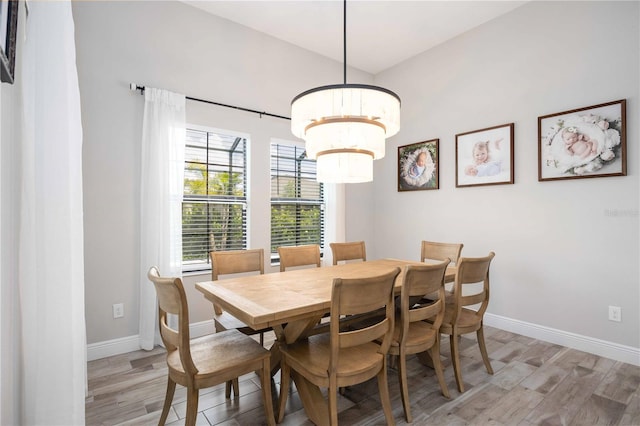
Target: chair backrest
x: 419, y: 281
x: 236, y: 262
x: 348, y: 251
x: 356, y: 296
x: 466, y: 290
x: 292, y: 256
x: 434, y: 251
x: 173, y: 300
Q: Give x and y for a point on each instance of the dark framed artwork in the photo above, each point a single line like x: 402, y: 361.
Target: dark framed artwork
x: 8, y: 31
x: 418, y: 166
x: 485, y: 157
x: 583, y: 143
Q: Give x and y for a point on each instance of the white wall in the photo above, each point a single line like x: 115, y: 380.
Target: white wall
x: 561, y: 258
x: 176, y: 47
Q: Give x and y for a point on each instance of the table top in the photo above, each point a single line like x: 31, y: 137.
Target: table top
x: 271, y: 299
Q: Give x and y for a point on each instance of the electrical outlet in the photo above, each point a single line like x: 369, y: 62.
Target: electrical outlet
x: 118, y: 310
x: 615, y: 313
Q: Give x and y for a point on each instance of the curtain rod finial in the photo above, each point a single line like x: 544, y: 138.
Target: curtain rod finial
x: 133, y: 87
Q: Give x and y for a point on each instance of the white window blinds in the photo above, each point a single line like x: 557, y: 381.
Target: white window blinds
x: 215, y: 196
x: 297, y: 199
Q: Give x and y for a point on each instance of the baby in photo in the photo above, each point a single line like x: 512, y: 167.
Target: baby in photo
x: 485, y: 161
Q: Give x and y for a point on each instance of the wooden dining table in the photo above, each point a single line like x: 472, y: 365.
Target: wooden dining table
x: 293, y: 303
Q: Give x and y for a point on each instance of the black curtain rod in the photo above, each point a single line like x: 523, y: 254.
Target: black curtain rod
x: 135, y: 87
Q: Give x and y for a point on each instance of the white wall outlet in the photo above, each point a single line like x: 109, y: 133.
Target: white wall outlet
x: 118, y: 310
x: 615, y: 313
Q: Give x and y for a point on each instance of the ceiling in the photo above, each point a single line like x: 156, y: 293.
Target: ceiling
x: 380, y: 33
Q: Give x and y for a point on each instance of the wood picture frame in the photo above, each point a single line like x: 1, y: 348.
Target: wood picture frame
x: 485, y: 157
x: 418, y: 166
x: 583, y: 143
x: 8, y: 34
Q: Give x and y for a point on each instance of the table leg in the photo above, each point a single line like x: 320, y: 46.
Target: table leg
x: 314, y: 403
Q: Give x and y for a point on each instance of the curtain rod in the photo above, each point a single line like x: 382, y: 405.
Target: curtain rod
x: 134, y: 87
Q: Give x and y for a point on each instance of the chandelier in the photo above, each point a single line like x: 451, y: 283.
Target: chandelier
x: 344, y: 126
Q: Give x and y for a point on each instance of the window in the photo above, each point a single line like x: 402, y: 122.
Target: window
x: 215, y: 196
x: 297, y: 200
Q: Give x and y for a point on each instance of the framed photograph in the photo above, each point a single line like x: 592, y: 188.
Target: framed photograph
x: 583, y: 143
x: 418, y: 167
x: 485, y: 157
x: 8, y: 27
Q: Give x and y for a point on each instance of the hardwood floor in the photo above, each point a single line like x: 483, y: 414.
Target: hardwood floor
x: 535, y: 383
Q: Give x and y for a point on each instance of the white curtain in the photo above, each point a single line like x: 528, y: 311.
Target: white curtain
x: 51, y: 262
x: 162, y: 174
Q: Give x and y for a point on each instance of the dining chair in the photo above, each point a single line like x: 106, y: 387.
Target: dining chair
x: 203, y: 362
x: 294, y: 256
x: 432, y: 251
x: 232, y: 262
x: 435, y: 251
x: 348, y: 251
x: 458, y: 318
x: 342, y: 357
x: 412, y: 334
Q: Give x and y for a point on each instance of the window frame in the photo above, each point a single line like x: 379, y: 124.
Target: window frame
x: 204, y: 265
x: 321, y: 202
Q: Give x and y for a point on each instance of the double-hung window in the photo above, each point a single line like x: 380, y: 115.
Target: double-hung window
x: 214, y: 205
x: 297, y: 199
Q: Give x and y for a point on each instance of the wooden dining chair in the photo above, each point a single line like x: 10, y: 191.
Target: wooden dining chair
x: 204, y: 362
x: 459, y: 319
x: 434, y: 251
x: 348, y: 251
x: 412, y: 334
x: 341, y: 357
x: 294, y: 256
x: 232, y: 262
x: 229, y: 263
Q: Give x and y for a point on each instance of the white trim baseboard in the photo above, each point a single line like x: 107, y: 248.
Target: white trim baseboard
x: 132, y: 343
x: 603, y: 348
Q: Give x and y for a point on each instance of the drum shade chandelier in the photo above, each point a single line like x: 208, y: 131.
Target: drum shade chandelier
x: 345, y: 125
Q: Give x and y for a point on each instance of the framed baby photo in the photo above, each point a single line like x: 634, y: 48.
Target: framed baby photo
x: 485, y: 157
x: 583, y: 143
x: 418, y: 166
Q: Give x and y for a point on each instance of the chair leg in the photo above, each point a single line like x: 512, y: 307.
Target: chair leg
x: 483, y: 349
x: 171, y: 388
x: 455, y: 359
x: 265, y: 382
x: 236, y: 388
x: 434, y: 351
x: 333, y: 402
x: 404, y: 388
x: 285, y: 380
x: 383, y: 388
x: 192, y: 407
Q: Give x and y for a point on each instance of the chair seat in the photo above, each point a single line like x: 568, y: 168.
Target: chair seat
x: 467, y: 322
x: 421, y: 336
x: 226, y: 321
x: 311, y: 358
x: 210, y: 356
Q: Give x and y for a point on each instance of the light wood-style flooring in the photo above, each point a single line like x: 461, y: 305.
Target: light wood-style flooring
x: 535, y: 383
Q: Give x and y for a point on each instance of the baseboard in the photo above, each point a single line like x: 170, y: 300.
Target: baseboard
x: 603, y: 348
x: 132, y: 343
